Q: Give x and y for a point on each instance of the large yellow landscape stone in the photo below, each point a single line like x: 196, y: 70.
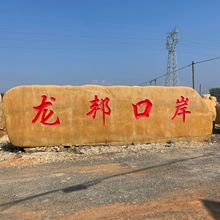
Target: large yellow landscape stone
x: 68, y: 118
x: 2, y: 120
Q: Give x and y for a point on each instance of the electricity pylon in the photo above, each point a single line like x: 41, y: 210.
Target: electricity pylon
x: 172, y: 70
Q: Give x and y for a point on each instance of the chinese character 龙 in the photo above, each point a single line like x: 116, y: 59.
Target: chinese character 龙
x: 43, y: 111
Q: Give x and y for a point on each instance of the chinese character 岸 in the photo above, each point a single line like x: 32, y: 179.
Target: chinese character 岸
x: 181, y: 108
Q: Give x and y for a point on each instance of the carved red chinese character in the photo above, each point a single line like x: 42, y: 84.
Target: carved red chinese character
x: 43, y: 111
x: 102, y: 105
x: 144, y: 114
x: 181, y: 108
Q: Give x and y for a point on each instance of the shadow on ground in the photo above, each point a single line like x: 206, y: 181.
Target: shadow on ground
x: 12, y: 148
x: 216, y: 130
x: 213, y: 208
x: 86, y: 185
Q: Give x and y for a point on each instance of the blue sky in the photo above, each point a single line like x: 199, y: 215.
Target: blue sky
x: 105, y: 41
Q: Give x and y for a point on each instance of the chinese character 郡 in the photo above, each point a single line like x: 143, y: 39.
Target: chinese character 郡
x: 181, y: 108
x: 148, y: 105
x: 102, y: 105
x: 43, y: 111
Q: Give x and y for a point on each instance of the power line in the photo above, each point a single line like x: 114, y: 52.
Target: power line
x: 181, y: 68
x: 71, y: 35
x: 192, y: 43
x: 83, y: 48
x: 184, y: 67
x: 194, y: 53
x: 203, y: 47
x: 163, y: 75
x: 193, y: 69
x: 204, y: 61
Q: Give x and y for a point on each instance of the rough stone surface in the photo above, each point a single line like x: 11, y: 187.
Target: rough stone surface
x: 211, y: 102
x: 121, y: 127
x: 2, y: 120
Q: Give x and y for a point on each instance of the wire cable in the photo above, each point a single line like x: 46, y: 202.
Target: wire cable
x: 204, y: 61
x: 181, y: 68
x: 163, y: 75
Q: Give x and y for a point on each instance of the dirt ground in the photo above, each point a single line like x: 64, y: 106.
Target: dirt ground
x: 152, y: 181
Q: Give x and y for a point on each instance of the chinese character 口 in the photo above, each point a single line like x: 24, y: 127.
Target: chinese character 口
x: 148, y: 105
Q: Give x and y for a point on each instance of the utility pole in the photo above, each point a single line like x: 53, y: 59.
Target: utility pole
x: 193, y: 75
x: 172, y: 70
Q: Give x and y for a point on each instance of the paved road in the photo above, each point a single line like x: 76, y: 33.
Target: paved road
x: 174, y: 183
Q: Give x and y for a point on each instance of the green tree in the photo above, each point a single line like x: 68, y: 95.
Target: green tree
x: 215, y: 92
